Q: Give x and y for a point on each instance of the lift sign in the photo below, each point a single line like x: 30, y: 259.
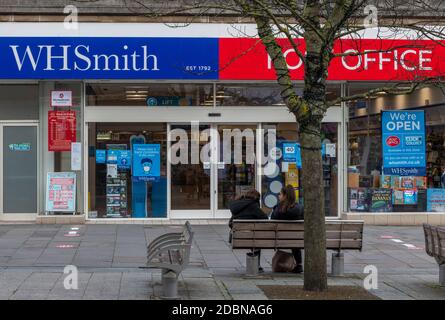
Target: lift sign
x: 403, y: 141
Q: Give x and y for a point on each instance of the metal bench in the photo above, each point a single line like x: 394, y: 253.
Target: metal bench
x: 170, y: 253
x: 435, y: 247
x: 280, y: 234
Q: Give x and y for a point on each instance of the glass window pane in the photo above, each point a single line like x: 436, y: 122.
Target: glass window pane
x: 114, y: 191
x: 150, y: 94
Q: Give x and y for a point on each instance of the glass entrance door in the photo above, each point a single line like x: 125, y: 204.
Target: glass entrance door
x: 18, y: 168
x: 236, y: 166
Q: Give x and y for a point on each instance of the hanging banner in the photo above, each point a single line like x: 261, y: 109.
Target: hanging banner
x: 403, y: 141
x: 146, y: 161
x: 61, y: 192
x: 61, y: 130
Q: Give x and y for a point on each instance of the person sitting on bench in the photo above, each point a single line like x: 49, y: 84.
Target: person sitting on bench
x: 247, y: 206
x: 288, y: 209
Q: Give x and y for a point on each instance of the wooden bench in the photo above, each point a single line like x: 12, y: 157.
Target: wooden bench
x: 285, y: 234
x: 171, y: 253
x: 435, y: 247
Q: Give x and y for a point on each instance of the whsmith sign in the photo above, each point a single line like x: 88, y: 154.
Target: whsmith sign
x: 198, y: 51
x: 403, y: 141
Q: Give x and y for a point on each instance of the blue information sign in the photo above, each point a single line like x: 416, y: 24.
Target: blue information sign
x: 101, y: 156
x: 403, y: 141
x: 291, y: 153
x: 120, y: 157
x: 146, y: 161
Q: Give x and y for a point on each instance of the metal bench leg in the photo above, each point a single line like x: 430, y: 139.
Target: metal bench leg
x: 252, y: 264
x: 338, y: 264
x: 169, y: 284
x: 442, y: 275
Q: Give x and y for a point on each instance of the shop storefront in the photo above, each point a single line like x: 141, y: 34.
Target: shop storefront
x: 157, y: 124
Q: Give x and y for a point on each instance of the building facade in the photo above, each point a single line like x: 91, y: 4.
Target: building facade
x: 135, y: 121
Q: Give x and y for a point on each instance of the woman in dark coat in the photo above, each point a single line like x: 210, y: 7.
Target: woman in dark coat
x: 247, y: 206
x: 288, y: 209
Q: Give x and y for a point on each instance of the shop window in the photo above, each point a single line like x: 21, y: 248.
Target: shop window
x: 370, y: 188
x: 150, y: 94
x: 127, y: 170
x: 287, y: 168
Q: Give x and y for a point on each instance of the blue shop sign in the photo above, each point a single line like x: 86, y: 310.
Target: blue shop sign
x: 108, y: 58
x: 403, y: 141
x: 146, y: 161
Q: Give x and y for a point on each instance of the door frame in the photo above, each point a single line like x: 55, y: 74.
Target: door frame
x: 213, y: 212
x: 18, y: 216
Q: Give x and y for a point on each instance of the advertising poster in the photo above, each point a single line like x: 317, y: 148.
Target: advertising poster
x: 381, y: 200
x: 403, y: 141
x: 359, y: 199
x: 291, y: 178
x: 61, y: 191
x: 435, y: 200
x: 146, y: 161
x: 61, y: 130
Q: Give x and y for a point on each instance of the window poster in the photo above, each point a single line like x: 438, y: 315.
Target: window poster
x: 381, y: 200
x: 146, y: 161
x: 61, y: 130
x: 435, y: 200
x: 61, y: 191
x: 403, y: 141
x: 359, y: 199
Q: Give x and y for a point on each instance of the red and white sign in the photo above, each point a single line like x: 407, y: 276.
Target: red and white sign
x: 61, y: 98
x: 61, y: 130
x: 392, y: 141
x: 361, y: 59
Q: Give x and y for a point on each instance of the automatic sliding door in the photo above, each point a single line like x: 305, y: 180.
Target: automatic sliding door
x: 190, y: 190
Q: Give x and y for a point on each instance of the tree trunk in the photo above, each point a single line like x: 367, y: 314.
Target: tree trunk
x: 315, y: 277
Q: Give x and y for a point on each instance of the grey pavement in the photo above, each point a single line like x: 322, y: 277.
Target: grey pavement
x: 111, y: 264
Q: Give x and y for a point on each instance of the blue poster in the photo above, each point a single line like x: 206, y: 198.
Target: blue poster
x: 403, y: 141
x: 435, y: 200
x: 101, y: 156
x: 147, y: 160
x: 291, y: 153
x: 120, y: 157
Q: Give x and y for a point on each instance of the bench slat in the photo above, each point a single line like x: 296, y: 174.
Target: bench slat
x: 283, y: 244
x: 246, y: 234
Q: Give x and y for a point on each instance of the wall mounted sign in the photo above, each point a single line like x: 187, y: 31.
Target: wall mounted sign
x: 403, y: 141
x: 61, y: 130
x: 61, y: 98
x: 208, y: 57
x: 61, y: 191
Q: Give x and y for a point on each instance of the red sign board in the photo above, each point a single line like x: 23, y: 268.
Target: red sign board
x: 362, y: 60
x: 61, y: 130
